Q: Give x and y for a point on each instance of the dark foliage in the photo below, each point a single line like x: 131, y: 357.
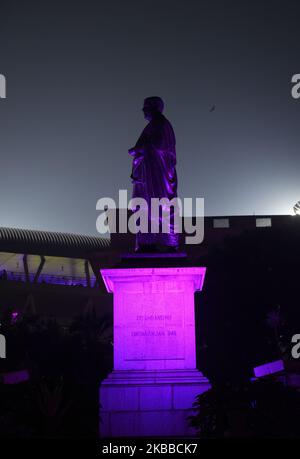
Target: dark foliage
x: 250, y: 285
x: 263, y: 409
x: 65, y: 366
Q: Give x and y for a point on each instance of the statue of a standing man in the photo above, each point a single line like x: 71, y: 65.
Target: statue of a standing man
x: 154, y: 173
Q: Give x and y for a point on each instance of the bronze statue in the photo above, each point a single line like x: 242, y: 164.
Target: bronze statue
x: 154, y: 173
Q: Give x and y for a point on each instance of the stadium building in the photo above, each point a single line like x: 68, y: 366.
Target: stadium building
x: 58, y: 274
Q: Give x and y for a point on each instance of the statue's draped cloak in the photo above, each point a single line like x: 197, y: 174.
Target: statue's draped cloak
x: 154, y: 170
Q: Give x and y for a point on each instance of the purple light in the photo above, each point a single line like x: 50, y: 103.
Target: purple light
x: 15, y: 377
x: 269, y: 368
x: 14, y: 317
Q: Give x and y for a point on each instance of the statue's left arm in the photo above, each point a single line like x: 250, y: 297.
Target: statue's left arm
x: 141, y: 144
x: 162, y: 139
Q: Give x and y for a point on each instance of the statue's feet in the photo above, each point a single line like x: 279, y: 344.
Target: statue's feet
x: 168, y: 249
x: 147, y: 248
x: 153, y: 248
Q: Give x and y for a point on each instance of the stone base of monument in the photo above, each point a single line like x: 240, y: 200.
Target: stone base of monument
x: 155, y: 381
x: 149, y: 403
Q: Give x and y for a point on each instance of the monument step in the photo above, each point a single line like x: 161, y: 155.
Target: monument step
x: 148, y: 403
x: 155, y: 377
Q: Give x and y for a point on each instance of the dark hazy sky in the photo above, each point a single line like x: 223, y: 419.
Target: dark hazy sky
x: 77, y: 73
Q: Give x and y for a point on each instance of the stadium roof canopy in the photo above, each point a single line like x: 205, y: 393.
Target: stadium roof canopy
x: 59, y: 258
x: 15, y: 240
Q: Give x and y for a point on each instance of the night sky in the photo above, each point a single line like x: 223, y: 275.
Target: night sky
x: 77, y: 74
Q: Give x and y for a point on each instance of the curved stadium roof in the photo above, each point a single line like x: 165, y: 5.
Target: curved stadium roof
x: 48, y: 242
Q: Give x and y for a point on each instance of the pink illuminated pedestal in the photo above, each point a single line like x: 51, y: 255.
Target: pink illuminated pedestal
x: 155, y: 381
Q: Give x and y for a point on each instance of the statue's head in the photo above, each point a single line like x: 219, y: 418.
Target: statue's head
x: 152, y: 105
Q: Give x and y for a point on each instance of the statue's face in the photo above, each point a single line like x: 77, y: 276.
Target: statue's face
x: 148, y: 112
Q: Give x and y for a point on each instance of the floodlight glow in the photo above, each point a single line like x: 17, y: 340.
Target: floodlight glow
x: 297, y: 208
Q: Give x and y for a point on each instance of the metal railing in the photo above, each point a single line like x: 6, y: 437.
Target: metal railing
x: 18, y: 276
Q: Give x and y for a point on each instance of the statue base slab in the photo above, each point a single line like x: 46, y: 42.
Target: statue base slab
x: 149, y: 403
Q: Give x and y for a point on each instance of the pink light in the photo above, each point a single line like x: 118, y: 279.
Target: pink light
x: 155, y: 381
x: 154, y: 319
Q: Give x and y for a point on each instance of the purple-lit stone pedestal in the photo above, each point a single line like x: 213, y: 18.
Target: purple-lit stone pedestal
x: 155, y: 380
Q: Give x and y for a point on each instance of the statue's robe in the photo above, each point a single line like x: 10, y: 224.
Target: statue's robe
x: 154, y: 174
